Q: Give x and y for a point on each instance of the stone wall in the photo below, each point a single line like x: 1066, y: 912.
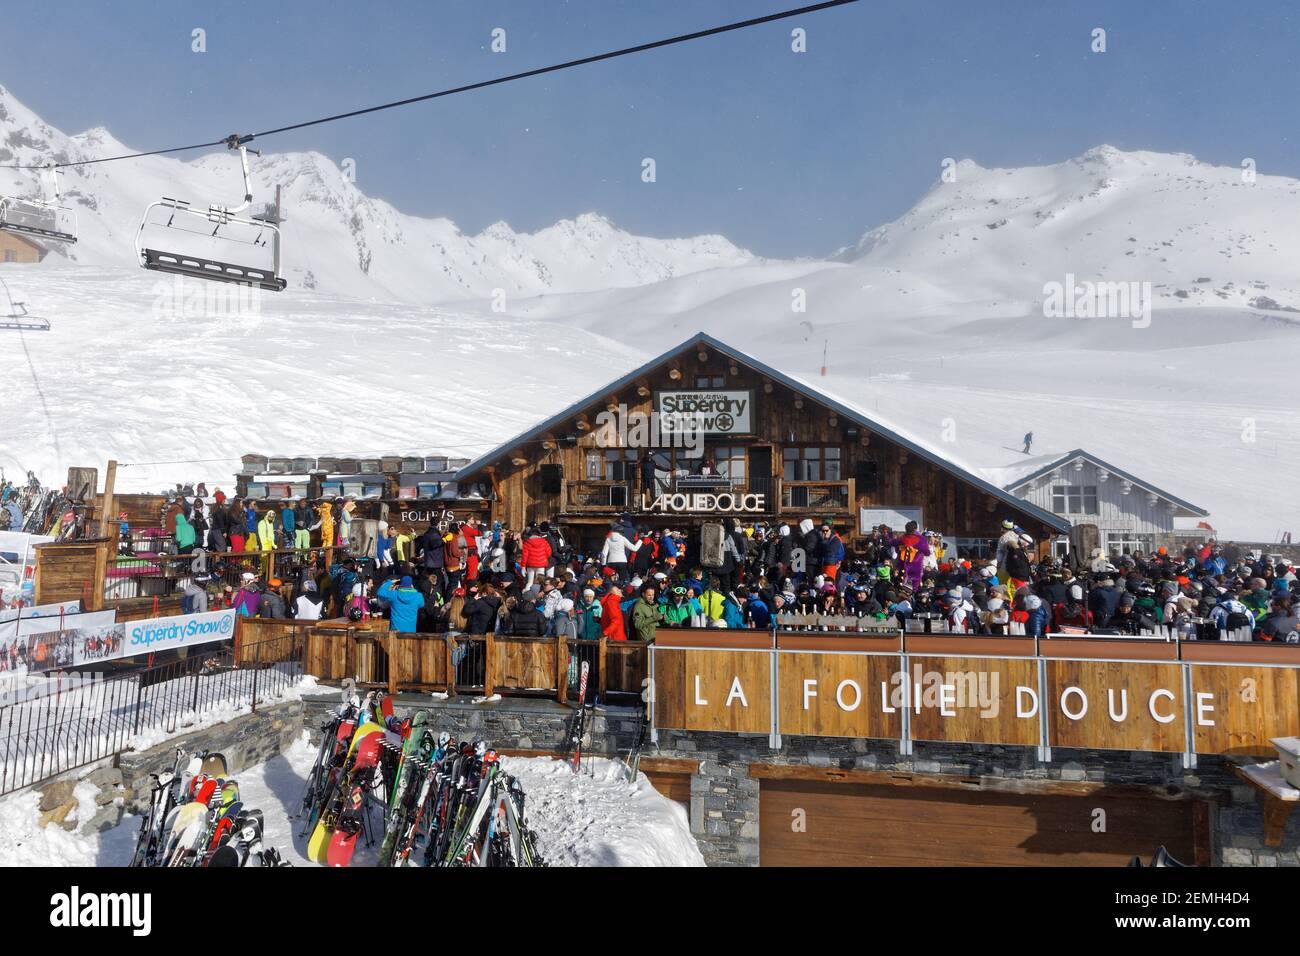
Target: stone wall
x: 122, y: 784
x: 247, y: 740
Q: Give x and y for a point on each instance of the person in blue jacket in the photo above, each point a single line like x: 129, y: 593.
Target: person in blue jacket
x: 755, y: 611
x: 1036, y: 626
x: 404, y: 602
x: 288, y: 521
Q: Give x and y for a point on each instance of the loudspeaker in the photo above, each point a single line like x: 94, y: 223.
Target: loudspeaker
x: 866, y: 476
x: 552, y: 475
x: 711, y: 544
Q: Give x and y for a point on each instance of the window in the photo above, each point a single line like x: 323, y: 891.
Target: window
x: 811, y: 463
x: 613, y: 464
x: 710, y: 381
x: 730, y: 462
x: 1121, y: 542
x: 11, y: 255
x: 1074, y: 499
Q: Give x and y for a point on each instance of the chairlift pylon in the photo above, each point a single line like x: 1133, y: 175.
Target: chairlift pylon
x: 210, y: 236
x: 18, y: 317
x: 45, y: 218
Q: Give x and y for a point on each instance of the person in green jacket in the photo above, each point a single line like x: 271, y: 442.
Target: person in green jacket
x: 185, y: 536
x: 681, y: 610
x: 646, y: 615
x: 587, y: 616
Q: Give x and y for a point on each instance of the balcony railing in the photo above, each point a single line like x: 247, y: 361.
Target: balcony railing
x: 817, y: 497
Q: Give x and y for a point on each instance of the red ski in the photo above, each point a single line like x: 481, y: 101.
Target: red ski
x: 582, y: 718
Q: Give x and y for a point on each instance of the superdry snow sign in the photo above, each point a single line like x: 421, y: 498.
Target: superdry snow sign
x: 711, y: 413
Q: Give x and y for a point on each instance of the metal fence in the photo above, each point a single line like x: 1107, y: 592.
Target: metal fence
x: 52, y: 724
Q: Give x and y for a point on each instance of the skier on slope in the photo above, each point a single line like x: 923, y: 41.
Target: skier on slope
x: 1029, y: 440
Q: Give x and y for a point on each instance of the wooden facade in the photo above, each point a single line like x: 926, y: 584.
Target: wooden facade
x: 858, y: 465
x: 1189, y: 698
x: 17, y: 248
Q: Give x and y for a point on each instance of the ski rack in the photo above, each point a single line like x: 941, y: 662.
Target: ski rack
x: 218, y: 270
x: 43, y: 218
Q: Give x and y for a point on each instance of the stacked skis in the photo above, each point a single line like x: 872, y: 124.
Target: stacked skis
x: 196, y: 818
x: 442, y: 802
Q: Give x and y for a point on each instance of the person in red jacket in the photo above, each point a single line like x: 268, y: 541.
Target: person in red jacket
x: 471, y: 531
x: 536, y: 557
x: 611, y: 615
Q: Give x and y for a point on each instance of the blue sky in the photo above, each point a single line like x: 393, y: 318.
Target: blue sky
x: 787, y: 154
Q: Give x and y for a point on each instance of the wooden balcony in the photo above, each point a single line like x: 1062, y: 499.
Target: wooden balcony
x: 812, y: 498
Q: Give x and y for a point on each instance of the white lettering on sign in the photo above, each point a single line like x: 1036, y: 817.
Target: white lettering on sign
x: 699, y: 700
x: 706, y: 502
x: 1123, y: 700
x: 714, y: 413
x: 1204, y: 705
x: 736, y: 693
x: 947, y: 700
x: 1151, y: 705
x: 1021, y: 711
x: 1083, y: 700
x: 809, y: 690
x: 885, y: 707
x: 857, y: 695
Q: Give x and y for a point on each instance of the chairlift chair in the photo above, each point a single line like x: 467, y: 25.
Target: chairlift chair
x: 18, y: 317
x: 222, y: 240
x: 45, y: 218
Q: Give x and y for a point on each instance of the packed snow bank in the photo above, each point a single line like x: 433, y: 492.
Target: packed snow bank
x: 24, y: 842
x: 600, y: 820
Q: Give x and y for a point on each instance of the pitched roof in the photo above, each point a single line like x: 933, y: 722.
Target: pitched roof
x: 1070, y: 456
x: 844, y: 410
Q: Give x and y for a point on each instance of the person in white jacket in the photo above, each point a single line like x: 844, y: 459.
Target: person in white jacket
x: 617, y: 552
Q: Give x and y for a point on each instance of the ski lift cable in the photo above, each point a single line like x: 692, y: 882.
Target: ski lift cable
x: 469, y: 87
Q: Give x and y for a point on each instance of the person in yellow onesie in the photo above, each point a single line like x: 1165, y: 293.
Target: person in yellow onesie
x: 266, y: 536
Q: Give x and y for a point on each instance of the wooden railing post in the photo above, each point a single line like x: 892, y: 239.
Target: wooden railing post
x: 449, y: 646
x: 391, y: 648
x: 561, y: 668
x: 489, y: 664
x: 600, y: 666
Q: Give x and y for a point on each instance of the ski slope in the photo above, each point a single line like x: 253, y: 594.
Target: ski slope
x: 400, y: 335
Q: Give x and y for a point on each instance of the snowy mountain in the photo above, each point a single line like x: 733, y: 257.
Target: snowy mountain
x: 337, y: 239
x: 934, y: 323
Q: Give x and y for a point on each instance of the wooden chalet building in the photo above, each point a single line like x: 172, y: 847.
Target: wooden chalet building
x: 774, y: 449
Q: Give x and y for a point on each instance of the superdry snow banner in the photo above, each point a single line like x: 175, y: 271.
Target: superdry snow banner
x: 76, y: 639
x: 170, y: 633
x: 708, y: 412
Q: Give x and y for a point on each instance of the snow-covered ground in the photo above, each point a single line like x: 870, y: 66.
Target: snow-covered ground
x: 584, y: 820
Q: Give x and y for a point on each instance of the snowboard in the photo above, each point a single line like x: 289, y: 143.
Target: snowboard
x: 318, y: 845
x: 343, y: 841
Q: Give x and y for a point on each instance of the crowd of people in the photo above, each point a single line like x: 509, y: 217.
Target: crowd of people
x: 477, y: 578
